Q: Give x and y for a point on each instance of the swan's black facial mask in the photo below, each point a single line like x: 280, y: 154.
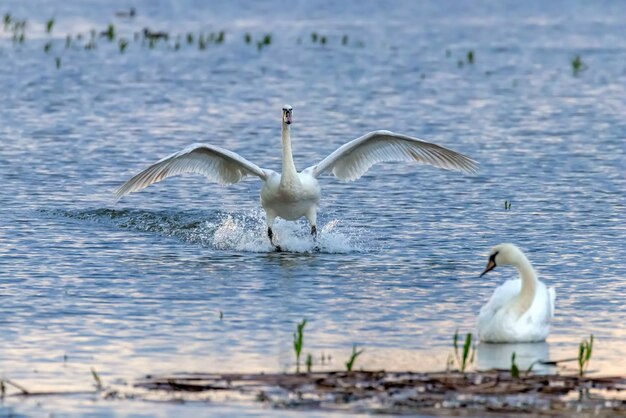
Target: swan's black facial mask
x: 287, y: 116
x: 491, y: 264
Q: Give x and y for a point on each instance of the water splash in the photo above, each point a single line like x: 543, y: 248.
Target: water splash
x: 246, y: 232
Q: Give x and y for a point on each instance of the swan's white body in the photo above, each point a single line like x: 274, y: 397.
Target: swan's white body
x: 292, y: 195
x: 519, y: 310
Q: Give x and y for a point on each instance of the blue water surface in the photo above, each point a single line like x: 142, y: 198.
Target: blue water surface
x: 180, y: 277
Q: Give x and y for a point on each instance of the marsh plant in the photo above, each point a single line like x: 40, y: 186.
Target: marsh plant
x: 96, y: 378
x: 577, y: 65
x: 309, y: 362
x: 353, y: 357
x: 49, y: 25
x: 514, y: 368
x: 585, y: 349
x: 507, y: 205
x: 467, y: 355
x: 470, y: 57
x: 298, y: 341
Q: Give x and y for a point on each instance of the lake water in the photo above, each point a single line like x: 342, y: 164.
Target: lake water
x: 137, y: 287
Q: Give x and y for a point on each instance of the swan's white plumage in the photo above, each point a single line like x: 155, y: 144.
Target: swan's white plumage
x: 292, y: 195
x: 500, y: 319
x: 217, y: 164
x: 350, y: 161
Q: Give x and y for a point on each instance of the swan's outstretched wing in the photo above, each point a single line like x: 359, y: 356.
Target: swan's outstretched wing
x: 350, y: 161
x: 218, y: 164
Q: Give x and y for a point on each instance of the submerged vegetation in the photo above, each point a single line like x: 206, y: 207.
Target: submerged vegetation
x: 585, y: 350
x: 467, y: 354
x: 298, y: 342
x: 147, y: 37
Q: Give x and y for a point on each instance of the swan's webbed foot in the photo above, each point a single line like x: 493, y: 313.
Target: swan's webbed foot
x: 314, y: 235
x: 270, y: 235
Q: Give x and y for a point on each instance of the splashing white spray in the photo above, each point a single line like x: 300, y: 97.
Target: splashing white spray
x: 249, y: 233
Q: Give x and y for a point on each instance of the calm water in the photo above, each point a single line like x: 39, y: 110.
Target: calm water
x: 137, y: 287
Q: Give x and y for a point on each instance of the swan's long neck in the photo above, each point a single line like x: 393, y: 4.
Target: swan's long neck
x: 290, y: 174
x: 529, y: 285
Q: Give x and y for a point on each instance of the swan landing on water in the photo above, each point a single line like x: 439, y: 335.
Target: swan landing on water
x: 292, y: 195
x: 520, y: 310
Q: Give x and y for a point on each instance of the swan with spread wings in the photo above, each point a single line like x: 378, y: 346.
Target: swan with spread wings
x: 291, y: 195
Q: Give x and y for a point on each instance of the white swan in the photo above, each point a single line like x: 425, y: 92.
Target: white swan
x: 520, y: 310
x: 293, y: 195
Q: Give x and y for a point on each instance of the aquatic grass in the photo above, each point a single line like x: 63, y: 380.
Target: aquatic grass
x: 577, y: 65
x: 355, y: 354
x: 49, y: 25
x: 96, y: 378
x: 298, y: 342
x: 201, y: 42
x: 467, y: 355
x: 221, y: 315
x: 507, y: 205
x: 110, y: 32
x: 247, y: 38
x: 267, y: 39
x: 309, y: 362
x: 585, y: 349
x: 190, y: 38
x: 47, y: 47
x: 314, y: 37
x: 323, y: 40
x: 7, y: 20
x: 57, y: 62
x: 220, y: 37
x: 470, y: 57
x: 514, y: 368
x: 123, y: 44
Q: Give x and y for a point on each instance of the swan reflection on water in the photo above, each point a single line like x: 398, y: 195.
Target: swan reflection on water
x: 498, y: 356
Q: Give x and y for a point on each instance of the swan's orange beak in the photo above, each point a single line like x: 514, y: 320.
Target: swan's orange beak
x: 490, y: 266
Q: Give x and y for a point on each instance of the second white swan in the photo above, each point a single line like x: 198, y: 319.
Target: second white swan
x: 292, y: 195
x: 519, y: 310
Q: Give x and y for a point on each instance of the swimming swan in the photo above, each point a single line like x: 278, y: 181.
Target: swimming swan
x: 293, y: 195
x: 521, y: 309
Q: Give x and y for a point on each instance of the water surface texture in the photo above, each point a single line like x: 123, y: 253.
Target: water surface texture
x: 137, y: 286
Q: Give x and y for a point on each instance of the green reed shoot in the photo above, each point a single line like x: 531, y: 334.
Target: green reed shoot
x: 314, y: 37
x: 309, y: 362
x: 122, y: 43
x: 353, y: 357
x: 468, y: 351
x: 220, y: 37
x: 267, y: 39
x: 470, y: 57
x: 577, y: 65
x: 323, y: 40
x: 298, y: 341
x: 190, y: 38
x: 514, y: 368
x: 110, y: 32
x: 49, y: 25
x: 96, y: 377
x: 585, y: 349
x: 47, y: 47
x: 247, y: 38
x: 507, y: 205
